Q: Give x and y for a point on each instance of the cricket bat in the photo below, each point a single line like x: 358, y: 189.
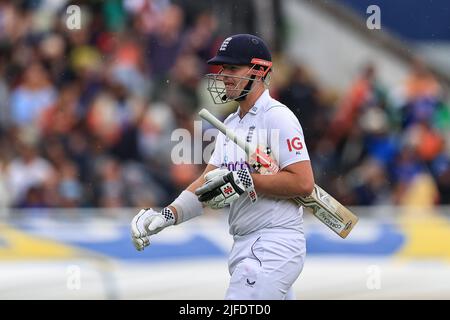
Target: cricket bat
x: 322, y: 205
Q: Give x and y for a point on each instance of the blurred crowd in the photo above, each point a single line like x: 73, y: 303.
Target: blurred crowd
x: 376, y: 145
x: 86, y: 115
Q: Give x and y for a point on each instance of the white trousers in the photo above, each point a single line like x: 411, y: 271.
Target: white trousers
x: 265, y: 264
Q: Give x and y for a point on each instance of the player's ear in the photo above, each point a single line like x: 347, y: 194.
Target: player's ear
x: 260, y: 73
x: 261, y: 69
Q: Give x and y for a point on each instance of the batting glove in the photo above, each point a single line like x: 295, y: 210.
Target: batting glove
x: 222, y: 187
x: 148, y: 222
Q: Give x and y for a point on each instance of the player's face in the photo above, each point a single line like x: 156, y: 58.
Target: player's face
x: 232, y: 77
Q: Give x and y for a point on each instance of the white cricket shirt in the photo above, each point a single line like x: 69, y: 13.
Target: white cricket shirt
x: 268, y: 123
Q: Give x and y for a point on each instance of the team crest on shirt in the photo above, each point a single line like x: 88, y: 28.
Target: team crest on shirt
x: 250, y: 133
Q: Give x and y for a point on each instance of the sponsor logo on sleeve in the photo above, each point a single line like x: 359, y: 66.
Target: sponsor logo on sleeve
x: 294, y: 144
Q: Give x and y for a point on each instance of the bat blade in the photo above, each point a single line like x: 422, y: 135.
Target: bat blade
x: 328, y: 210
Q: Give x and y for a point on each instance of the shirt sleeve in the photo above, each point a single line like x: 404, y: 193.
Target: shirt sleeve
x: 286, y: 139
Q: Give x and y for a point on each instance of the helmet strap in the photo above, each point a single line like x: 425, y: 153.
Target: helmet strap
x: 247, y: 88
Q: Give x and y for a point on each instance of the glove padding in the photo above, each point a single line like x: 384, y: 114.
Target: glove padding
x: 148, y: 222
x: 222, y: 187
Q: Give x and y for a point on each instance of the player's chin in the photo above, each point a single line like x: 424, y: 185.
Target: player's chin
x: 232, y: 94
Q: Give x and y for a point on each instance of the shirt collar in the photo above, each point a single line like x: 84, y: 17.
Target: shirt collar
x: 260, y: 102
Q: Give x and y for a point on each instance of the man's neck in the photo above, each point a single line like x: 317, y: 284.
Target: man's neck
x: 249, y: 102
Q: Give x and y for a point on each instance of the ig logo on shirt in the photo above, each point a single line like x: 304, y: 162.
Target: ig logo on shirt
x: 294, y: 144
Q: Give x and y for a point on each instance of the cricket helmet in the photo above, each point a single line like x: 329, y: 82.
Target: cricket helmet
x: 239, y: 50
